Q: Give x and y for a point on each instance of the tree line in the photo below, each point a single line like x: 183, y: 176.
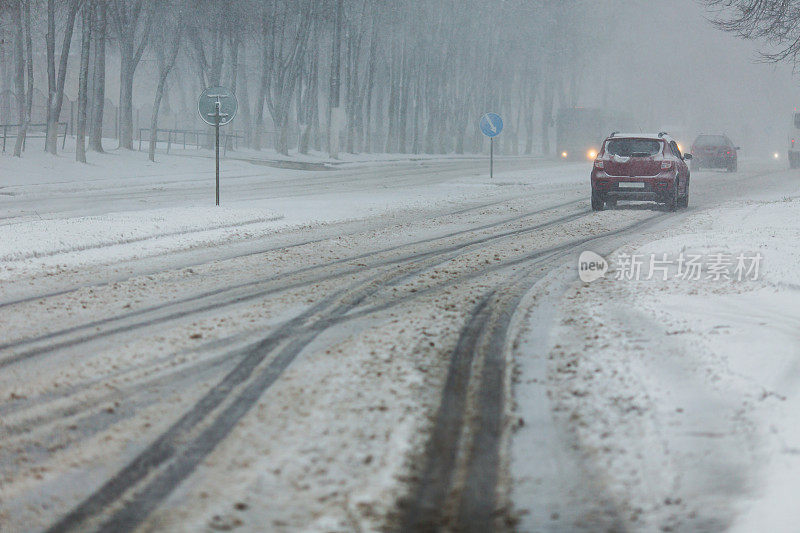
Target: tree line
x: 408, y: 76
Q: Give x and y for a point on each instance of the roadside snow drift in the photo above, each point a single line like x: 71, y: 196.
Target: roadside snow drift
x: 683, y: 393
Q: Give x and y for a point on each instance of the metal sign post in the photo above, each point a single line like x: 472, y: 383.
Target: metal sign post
x: 217, y: 107
x: 491, y: 125
x: 217, y: 116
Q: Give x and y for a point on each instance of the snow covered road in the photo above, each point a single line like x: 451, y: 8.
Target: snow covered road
x: 348, y: 350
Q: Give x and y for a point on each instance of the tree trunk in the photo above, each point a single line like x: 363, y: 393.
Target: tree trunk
x: 282, y: 136
x: 130, y: 52
x: 333, y: 98
x: 99, y: 82
x: 166, y: 60
x: 515, y: 137
x: 83, y: 82
x: 310, y: 96
x: 263, y: 82
x: 392, y: 110
x: 529, y: 126
x: 547, y: 116
x: 154, y: 118
x: 416, y: 144
x: 235, y: 44
x: 402, y: 128
x: 244, y: 102
x: 29, y: 64
x: 284, y: 75
x: 55, y: 83
x: 371, y: 66
x: 126, y: 105
x: 19, y: 78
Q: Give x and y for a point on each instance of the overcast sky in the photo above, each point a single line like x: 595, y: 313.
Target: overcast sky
x: 670, y: 66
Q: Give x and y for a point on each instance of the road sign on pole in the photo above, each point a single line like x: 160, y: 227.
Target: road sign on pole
x: 491, y: 125
x: 217, y: 106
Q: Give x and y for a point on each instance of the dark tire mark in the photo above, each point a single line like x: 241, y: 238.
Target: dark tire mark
x: 178, y: 451
x: 435, y: 501
x: 247, y: 254
x: 131, y: 495
x: 424, y: 511
x: 187, y: 310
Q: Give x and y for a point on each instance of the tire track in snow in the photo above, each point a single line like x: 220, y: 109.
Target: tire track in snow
x: 457, y: 487
x: 302, y: 243
x: 132, y: 494
x: 193, y: 305
x: 178, y: 451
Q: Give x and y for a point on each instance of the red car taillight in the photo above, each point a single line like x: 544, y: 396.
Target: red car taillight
x: 666, y: 165
x: 598, y: 164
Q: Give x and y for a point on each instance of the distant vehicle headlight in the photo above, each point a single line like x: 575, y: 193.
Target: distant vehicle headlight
x: 564, y: 154
x: 680, y: 148
x: 591, y: 154
x: 776, y: 155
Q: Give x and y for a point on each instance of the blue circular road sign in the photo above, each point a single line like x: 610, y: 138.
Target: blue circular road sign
x: 491, y: 124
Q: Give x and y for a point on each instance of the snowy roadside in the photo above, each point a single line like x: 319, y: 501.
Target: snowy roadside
x: 47, y: 244
x: 36, y: 168
x: 56, y: 214
x: 344, y: 158
x: 681, y: 393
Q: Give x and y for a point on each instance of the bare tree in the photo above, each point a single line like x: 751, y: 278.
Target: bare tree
x: 308, y: 95
x: 99, y: 32
x: 83, y: 82
x: 777, y: 22
x: 55, y: 83
x: 286, y: 46
x: 29, y: 64
x: 132, y: 21
x: 166, y: 45
x: 335, y: 82
x: 410, y: 75
x: 19, y: 78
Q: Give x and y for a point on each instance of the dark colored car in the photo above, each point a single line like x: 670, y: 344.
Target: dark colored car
x: 714, y: 151
x: 644, y: 167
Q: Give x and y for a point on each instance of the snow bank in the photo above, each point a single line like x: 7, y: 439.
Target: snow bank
x: 684, y: 393
x: 747, y: 335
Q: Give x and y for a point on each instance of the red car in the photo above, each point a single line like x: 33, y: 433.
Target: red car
x: 714, y: 151
x: 645, y: 167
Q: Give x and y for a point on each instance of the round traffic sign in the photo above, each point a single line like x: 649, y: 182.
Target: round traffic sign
x: 491, y: 124
x: 207, y: 105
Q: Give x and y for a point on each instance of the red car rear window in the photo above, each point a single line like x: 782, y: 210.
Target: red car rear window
x: 633, y: 147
